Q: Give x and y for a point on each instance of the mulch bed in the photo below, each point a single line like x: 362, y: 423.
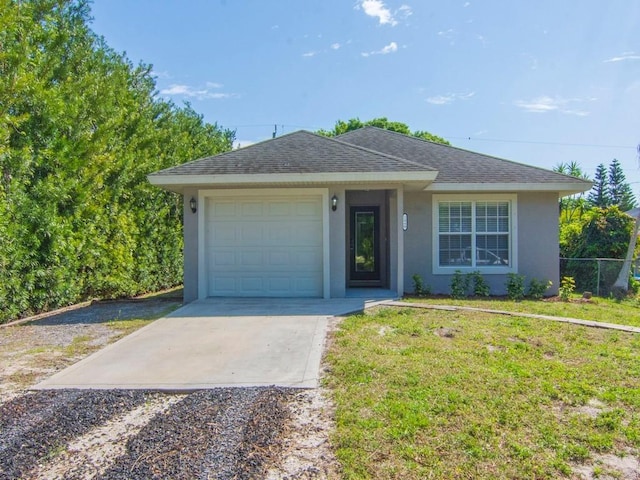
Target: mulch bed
x: 223, y: 433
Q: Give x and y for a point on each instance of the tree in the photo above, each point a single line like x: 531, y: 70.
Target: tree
x: 600, y: 233
x: 80, y: 128
x: 599, y: 194
x: 621, y: 285
x: 382, y: 122
x: 620, y: 191
x: 571, y: 207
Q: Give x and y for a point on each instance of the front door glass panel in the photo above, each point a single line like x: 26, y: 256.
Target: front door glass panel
x: 364, y: 244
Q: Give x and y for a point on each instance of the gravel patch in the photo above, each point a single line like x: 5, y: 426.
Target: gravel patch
x: 224, y: 433
x: 37, y: 426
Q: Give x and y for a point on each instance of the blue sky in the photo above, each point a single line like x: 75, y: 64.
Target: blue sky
x: 538, y: 82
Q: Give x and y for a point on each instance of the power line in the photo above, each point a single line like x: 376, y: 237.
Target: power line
x: 475, y: 139
x: 534, y: 142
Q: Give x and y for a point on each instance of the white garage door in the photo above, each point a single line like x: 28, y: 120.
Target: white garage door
x: 264, y: 246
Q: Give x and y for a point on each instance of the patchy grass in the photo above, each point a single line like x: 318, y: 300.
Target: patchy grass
x: 125, y: 327
x: 625, y: 312
x: 435, y: 394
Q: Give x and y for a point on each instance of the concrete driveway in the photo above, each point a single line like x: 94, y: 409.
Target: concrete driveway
x: 216, y: 343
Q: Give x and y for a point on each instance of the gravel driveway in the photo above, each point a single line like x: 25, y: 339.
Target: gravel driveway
x: 224, y: 433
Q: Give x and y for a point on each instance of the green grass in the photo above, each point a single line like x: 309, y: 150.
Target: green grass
x: 435, y: 394
x: 126, y: 326
x: 626, y: 312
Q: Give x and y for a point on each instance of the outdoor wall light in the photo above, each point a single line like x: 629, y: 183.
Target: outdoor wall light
x: 334, y: 203
x: 193, y: 205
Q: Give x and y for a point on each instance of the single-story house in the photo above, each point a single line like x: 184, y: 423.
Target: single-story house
x: 304, y: 215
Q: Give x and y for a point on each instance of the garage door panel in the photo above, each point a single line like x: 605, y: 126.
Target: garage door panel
x: 306, y: 285
x: 279, y: 209
x: 308, y: 209
x: 309, y: 258
x: 252, y: 258
x: 223, y: 257
x: 266, y: 247
x: 223, y: 209
x: 252, y: 209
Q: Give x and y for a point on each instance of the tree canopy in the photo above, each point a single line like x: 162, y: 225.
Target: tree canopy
x: 611, y: 188
x: 382, y: 122
x: 80, y: 128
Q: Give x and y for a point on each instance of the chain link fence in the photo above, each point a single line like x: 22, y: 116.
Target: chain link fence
x: 596, y: 275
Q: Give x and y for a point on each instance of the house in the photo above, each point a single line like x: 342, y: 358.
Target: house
x: 304, y: 215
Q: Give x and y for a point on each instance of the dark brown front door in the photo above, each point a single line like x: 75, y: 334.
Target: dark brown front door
x: 364, y: 246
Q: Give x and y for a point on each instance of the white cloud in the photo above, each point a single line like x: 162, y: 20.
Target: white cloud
x: 448, y: 34
x: 179, y: 90
x: 162, y: 74
x: 546, y: 104
x: 449, y: 98
x: 541, y: 104
x: 335, y: 46
x: 377, y: 8
x: 391, y: 48
x: 623, y: 57
x: 309, y: 54
x: 405, y: 11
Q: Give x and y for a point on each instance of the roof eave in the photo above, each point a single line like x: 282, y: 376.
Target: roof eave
x: 562, y: 188
x: 177, y: 183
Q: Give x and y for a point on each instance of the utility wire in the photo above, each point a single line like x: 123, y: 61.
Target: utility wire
x: 474, y: 139
x: 561, y: 144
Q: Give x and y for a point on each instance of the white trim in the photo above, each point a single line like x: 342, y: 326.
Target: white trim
x: 562, y: 188
x: 326, y: 251
x: 513, y: 237
x: 400, y: 234
x: 202, y: 264
x: 203, y: 195
x: 276, y: 178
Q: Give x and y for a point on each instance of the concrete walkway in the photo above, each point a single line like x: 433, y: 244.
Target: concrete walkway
x: 575, y: 321
x: 216, y: 343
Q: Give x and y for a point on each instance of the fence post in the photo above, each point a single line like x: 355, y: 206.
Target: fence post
x: 598, y: 286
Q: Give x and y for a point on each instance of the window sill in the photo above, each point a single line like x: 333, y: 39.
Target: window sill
x: 450, y: 270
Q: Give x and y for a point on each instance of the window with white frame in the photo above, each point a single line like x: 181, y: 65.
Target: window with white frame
x: 474, y: 233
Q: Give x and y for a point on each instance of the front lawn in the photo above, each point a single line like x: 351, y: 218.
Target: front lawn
x: 439, y: 394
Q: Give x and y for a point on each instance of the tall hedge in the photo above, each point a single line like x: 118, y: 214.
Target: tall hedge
x: 80, y: 128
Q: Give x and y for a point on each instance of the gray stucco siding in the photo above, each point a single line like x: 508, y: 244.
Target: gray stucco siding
x: 537, y: 242
x: 538, y: 237
x: 190, y: 247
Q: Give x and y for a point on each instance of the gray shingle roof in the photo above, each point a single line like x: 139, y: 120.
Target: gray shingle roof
x: 369, y: 154
x: 454, y: 165
x: 298, y: 152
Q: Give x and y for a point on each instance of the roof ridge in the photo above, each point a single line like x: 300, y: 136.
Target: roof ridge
x: 370, y: 150
x: 440, y: 145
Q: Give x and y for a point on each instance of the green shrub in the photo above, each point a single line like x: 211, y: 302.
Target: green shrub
x: 515, y: 286
x: 567, y: 287
x: 459, y: 285
x: 480, y: 286
x: 419, y: 288
x: 537, y: 288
